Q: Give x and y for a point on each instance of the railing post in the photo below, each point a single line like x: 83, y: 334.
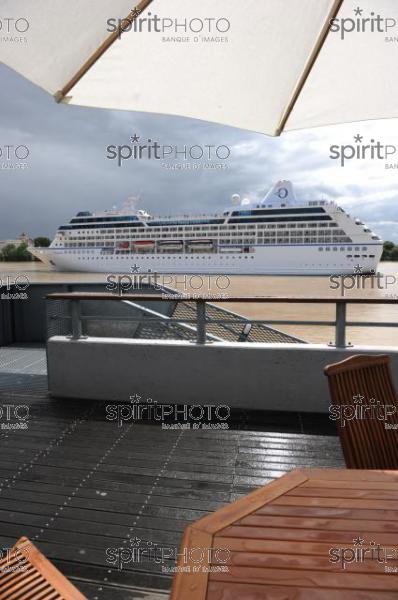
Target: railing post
x: 200, y: 322
x: 75, y: 318
x: 341, y: 317
x: 244, y: 334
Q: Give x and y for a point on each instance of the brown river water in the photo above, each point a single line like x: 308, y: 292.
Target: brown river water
x: 386, y: 286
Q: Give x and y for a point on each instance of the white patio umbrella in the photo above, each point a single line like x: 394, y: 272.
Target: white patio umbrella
x: 262, y: 65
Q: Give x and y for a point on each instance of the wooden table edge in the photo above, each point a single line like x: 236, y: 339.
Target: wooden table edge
x: 349, y: 474
x: 194, y: 586
x: 234, y: 511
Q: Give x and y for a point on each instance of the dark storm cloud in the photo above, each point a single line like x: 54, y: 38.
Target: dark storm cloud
x: 68, y: 169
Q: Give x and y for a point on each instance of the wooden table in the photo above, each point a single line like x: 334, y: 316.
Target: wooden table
x: 287, y: 541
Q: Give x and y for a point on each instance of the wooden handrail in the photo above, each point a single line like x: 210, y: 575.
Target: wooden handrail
x: 215, y: 298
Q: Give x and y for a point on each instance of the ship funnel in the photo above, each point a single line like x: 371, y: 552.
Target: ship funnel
x: 281, y: 193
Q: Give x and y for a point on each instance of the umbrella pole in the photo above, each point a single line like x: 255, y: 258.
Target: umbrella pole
x: 309, y: 66
x: 60, y: 96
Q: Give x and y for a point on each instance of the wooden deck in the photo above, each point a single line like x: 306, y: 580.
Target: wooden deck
x: 78, y: 485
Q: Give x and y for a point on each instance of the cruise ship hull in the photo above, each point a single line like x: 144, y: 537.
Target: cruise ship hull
x: 264, y: 260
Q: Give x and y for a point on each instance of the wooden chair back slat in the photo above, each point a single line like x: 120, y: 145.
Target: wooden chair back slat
x: 364, y: 384
x: 26, y: 574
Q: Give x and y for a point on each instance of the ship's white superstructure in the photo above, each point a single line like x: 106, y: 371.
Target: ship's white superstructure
x: 278, y: 235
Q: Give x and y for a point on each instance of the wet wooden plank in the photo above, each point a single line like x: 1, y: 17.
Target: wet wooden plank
x: 328, y: 512
x: 262, y: 521
x: 331, y: 536
x: 288, y: 560
x: 232, y: 591
x: 301, y: 578
x: 346, y: 492
x: 359, y: 503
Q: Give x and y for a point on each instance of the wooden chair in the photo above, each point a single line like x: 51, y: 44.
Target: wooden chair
x: 26, y: 573
x: 361, y: 388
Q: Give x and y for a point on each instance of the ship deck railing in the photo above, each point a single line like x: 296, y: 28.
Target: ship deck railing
x: 202, y: 320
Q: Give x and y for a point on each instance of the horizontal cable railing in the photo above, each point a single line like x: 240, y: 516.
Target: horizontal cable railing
x: 340, y: 322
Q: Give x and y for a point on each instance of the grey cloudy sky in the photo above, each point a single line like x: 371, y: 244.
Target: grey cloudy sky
x: 67, y: 168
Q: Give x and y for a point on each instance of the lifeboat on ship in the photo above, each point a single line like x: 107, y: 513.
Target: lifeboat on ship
x: 200, y: 244
x: 143, y: 244
x: 171, y: 244
x: 230, y: 249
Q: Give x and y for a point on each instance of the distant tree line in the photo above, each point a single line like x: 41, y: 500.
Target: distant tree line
x: 390, y: 251
x: 18, y: 253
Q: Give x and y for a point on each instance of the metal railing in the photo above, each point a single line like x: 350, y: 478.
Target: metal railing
x: 340, y: 322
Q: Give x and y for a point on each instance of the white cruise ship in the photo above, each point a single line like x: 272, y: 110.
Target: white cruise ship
x: 278, y: 235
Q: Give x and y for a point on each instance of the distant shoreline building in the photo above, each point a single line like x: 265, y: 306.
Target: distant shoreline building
x: 22, y: 239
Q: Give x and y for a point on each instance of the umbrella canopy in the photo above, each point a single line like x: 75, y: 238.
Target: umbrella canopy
x: 262, y: 65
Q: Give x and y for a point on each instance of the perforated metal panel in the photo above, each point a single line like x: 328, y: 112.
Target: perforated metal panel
x: 235, y: 331
x: 239, y: 330
x: 58, y: 318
